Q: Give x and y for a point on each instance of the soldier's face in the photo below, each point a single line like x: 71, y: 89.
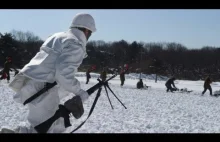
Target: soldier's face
x: 88, y: 33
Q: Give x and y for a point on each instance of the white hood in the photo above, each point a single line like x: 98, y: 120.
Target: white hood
x: 70, y: 45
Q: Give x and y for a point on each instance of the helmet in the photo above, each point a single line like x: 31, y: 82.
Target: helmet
x: 84, y: 20
x: 93, y: 67
x: 8, y: 59
x: 173, y: 78
x: 126, y: 66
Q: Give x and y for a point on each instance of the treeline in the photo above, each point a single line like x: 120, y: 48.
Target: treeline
x: 153, y: 58
x: 159, y: 58
x: 21, y: 46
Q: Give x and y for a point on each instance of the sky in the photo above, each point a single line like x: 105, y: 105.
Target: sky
x: 192, y: 28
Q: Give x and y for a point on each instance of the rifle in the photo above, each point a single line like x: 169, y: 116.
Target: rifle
x: 75, y: 107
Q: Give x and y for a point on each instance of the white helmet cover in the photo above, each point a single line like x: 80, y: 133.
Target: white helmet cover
x: 84, y: 20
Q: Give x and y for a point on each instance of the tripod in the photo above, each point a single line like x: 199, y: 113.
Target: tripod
x: 105, y: 83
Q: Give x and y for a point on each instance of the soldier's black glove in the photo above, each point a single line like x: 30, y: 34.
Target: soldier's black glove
x: 75, y: 106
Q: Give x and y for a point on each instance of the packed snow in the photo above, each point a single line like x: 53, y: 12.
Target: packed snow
x: 151, y: 110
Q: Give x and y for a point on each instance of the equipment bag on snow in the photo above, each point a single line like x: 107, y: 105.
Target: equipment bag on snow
x: 216, y: 93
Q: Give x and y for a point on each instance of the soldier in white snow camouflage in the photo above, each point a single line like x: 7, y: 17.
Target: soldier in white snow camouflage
x: 58, y: 60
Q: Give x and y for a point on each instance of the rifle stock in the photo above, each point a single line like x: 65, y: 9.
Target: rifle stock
x: 61, y: 112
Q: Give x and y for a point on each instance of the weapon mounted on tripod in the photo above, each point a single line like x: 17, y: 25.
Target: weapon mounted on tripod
x: 75, y: 107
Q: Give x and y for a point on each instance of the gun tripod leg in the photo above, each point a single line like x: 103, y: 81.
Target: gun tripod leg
x: 116, y: 96
x: 108, y: 97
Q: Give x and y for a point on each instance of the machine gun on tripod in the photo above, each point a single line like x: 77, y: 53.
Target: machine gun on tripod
x: 75, y: 107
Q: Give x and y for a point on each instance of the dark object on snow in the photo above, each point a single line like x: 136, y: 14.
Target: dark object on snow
x: 216, y: 93
x: 103, y: 74
x: 6, y: 70
x: 140, y: 84
x: 169, y: 83
x: 207, y: 85
x: 122, y: 75
x: 185, y: 90
x: 88, y: 76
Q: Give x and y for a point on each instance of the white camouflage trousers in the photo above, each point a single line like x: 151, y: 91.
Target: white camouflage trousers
x: 41, y: 108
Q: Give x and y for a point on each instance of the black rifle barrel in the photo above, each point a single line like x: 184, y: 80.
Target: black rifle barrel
x: 98, y: 85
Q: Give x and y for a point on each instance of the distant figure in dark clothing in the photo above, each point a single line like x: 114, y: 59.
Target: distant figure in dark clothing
x: 207, y: 85
x: 140, y: 84
x: 122, y: 74
x: 88, y: 76
x: 103, y: 74
x: 8, y: 66
x: 7, y: 69
x: 169, y: 83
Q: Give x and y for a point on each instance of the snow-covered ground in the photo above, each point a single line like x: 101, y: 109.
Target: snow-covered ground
x: 148, y: 111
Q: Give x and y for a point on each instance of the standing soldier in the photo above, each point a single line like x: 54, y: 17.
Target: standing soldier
x: 7, y: 69
x: 103, y: 74
x: 207, y: 85
x: 122, y: 74
x: 88, y: 76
